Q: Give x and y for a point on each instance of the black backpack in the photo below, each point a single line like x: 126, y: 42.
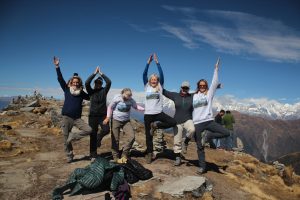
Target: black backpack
x: 134, y: 172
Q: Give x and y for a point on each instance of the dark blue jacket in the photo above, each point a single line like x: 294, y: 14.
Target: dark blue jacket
x: 73, y: 104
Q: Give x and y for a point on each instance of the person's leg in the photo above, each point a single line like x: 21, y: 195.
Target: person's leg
x: 229, y: 141
x: 128, y: 129
x: 200, y: 148
x: 178, y: 129
x: 115, y: 134
x: 234, y: 139
x: 165, y: 121
x: 84, y: 128
x: 104, y: 130
x: 189, y: 135
x: 67, y: 124
x: 93, y: 123
x: 148, y: 119
x: 190, y: 128
x: 178, y: 143
x: 216, y: 130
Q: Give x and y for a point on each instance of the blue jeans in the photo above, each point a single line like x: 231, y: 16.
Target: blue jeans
x: 215, y: 131
x: 229, y: 142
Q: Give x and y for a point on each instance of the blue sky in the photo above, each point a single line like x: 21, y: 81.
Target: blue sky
x: 258, y: 43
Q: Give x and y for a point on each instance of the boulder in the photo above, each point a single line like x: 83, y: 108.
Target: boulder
x: 177, y: 187
x: 27, y: 109
x: 12, y: 113
x: 35, y: 103
x: 39, y: 110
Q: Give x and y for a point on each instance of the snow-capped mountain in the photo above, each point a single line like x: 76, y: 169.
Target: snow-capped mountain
x: 259, y: 107
x: 262, y: 107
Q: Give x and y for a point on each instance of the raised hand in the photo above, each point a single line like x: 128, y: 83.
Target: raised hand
x: 97, y: 70
x: 155, y: 58
x: 56, y: 61
x: 150, y: 59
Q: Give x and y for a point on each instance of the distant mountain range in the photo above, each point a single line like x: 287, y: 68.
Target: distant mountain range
x: 265, y: 108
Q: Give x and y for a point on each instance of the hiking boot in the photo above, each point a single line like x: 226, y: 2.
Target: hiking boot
x: 177, y: 161
x: 153, y: 128
x: 203, y: 138
x: 148, y: 158
x: 200, y: 171
x: 70, y: 157
x: 93, y: 155
x: 184, y: 148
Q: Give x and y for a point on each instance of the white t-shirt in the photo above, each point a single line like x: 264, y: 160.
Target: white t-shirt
x: 154, y: 100
x: 202, y: 103
x: 121, y: 108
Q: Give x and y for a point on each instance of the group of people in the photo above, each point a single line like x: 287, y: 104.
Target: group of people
x: 193, y: 114
x: 227, y: 120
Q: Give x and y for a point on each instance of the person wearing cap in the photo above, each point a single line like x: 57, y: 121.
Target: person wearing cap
x: 119, y: 111
x: 154, y: 117
x: 203, y: 117
x: 183, y: 115
x: 72, y: 110
x: 98, y: 108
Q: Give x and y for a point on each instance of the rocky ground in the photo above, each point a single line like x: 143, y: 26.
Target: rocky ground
x: 32, y: 163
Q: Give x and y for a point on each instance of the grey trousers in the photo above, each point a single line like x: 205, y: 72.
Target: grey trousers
x: 67, y: 125
x: 189, y: 127
x: 115, y: 137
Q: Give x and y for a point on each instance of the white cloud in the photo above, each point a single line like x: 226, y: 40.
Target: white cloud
x: 236, y: 33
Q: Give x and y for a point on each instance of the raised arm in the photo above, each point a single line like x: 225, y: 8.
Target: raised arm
x: 215, y: 80
x: 160, y: 71
x: 145, y: 73
x: 60, y: 78
x: 89, y: 80
x: 107, y: 81
x: 168, y: 94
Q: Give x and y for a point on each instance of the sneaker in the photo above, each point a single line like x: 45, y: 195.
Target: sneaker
x: 70, y: 157
x: 122, y: 160
x: 184, y: 148
x: 148, y: 158
x: 200, y: 171
x: 177, y: 161
x: 93, y: 155
x: 203, y: 138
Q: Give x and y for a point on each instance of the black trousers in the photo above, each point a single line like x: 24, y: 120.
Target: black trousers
x: 94, y: 122
x: 165, y: 121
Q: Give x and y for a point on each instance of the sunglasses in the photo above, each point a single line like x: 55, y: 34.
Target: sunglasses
x: 202, y: 86
x: 185, y: 88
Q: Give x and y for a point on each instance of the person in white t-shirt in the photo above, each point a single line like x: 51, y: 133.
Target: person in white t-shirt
x: 203, y: 117
x: 119, y: 110
x: 154, y: 106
